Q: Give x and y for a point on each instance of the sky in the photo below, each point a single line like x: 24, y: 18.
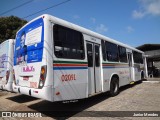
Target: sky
x: 133, y: 22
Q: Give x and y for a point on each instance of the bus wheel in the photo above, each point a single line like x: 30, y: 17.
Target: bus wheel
x: 114, y: 86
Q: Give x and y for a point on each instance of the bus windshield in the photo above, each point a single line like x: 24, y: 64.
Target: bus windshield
x: 29, y: 43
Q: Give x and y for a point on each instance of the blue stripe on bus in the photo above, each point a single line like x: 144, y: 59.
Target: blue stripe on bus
x: 68, y: 68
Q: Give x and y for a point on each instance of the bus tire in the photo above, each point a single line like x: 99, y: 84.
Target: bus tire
x: 114, y: 86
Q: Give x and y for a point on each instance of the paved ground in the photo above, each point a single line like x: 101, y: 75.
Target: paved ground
x: 143, y: 96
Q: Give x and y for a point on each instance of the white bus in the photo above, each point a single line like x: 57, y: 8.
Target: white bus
x: 6, y: 64
x: 56, y: 60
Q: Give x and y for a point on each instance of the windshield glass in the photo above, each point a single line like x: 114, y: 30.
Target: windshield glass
x: 29, y: 43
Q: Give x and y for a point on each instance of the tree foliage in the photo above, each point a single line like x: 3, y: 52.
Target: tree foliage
x: 9, y: 26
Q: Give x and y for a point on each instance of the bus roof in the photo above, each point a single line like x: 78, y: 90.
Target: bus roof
x: 59, y: 21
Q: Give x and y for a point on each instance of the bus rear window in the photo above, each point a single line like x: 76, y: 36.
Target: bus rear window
x: 29, y: 43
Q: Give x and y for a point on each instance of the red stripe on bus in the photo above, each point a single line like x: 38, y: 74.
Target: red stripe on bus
x: 69, y: 64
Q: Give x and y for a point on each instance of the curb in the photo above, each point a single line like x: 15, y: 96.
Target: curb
x: 151, y: 81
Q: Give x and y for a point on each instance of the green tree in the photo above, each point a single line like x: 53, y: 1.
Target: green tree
x: 9, y: 26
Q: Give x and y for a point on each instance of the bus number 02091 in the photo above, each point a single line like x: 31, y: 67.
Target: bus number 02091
x: 68, y: 77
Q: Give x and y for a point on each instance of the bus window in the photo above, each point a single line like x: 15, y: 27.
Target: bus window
x: 97, y: 60
x: 29, y: 43
x: 122, y: 54
x: 137, y: 57
x: 90, y: 54
x: 103, y: 50
x: 112, y: 52
x: 68, y: 43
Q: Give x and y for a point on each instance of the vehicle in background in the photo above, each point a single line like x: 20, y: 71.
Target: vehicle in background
x: 6, y: 64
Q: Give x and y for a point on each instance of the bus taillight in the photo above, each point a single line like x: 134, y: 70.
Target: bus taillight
x: 42, y: 76
x: 7, y: 76
x: 42, y: 70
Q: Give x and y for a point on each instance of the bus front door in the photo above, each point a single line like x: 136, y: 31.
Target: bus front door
x: 94, y: 71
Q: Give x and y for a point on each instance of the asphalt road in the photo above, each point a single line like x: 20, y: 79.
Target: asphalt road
x: 140, y: 97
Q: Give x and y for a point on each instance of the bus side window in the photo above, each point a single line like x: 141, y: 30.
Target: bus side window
x: 112, y: 52
x: 68, y: 43
x: 122, y: 54
x: 137, y: 57
x: 103, y: 50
